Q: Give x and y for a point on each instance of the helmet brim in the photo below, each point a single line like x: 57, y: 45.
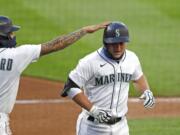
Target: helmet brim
x: 116, y: 40
x: 14, y: 28
x: 10, y: 29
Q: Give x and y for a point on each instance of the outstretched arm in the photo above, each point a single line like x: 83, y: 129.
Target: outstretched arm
x: 62, y: 42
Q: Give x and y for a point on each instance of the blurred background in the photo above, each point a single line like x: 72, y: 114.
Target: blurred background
x: 153, y: 25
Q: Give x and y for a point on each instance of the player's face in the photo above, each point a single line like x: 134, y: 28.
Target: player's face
x: 116, y: 50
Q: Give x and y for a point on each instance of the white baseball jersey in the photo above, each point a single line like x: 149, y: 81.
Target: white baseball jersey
x: 12, y: 63
x: 105, y: 81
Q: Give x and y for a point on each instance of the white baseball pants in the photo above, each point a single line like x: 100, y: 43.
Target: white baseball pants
x: 4, y: 124
x: 86, y: 127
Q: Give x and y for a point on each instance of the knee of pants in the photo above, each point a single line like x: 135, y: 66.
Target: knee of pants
x: 2, y: 128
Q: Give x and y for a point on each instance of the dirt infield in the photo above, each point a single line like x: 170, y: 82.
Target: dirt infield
x: 41, y: 111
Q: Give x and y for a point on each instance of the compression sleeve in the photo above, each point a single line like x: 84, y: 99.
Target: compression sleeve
x: 68, y: 85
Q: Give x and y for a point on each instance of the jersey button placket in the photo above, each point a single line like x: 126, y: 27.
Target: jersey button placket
x: 116, y: 91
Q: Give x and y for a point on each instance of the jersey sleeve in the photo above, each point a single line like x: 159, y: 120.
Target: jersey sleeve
x: 138, y: 70
x: 81, y: 74
x: 26, y: 54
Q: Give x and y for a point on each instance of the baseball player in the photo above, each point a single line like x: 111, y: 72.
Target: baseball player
x: 13, y: 60
x: 104, y: 77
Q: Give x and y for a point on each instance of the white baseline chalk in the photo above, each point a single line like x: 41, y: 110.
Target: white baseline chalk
x: 57, y: 101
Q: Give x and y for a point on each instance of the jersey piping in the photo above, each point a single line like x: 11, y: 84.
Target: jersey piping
x: 122, y: 60
x: 114, y: 74
x: 120, y: 82
x: 2, y: 50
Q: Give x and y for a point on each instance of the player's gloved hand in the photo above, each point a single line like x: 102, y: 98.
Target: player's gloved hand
x: 148, y: 98
x: 100, y: 115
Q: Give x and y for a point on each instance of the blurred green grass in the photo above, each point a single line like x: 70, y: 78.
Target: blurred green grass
x: 154, y: 31
x: 155, y: 126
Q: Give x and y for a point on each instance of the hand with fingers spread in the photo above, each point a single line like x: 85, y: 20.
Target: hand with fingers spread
x: 93, y: 28
x: 148, y: 98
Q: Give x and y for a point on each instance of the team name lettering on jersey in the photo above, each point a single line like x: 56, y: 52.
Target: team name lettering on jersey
x: 103, y: 80
x: 6, y: 64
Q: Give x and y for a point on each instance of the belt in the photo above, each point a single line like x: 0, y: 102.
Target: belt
x: 110, y: 122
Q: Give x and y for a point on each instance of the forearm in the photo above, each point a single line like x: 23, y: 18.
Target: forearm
x: 141, y: 84
x: 83, y: 101
x: 73, y: 91
x: 147, y: 95
x: 62, y: 42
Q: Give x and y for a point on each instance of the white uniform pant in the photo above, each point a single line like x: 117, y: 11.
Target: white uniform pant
x: 4, y: 124
x: 86, y: 127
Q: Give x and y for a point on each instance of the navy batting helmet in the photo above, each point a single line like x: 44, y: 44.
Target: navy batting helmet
x: 115, y: 32
x: 6, y: 26
x: 6, y: 29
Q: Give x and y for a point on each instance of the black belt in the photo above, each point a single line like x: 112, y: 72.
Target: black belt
x: 110, y: 122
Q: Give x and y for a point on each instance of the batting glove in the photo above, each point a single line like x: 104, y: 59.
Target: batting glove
x: 100, y: 115
x: 148, y: 98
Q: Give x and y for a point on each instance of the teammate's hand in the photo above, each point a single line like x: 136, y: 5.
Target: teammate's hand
x: 93, y: 28
x: 100, y: 115
x: 148, y: 98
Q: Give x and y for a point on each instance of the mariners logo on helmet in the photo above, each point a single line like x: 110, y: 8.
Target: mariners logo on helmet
x: 116, y: 32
